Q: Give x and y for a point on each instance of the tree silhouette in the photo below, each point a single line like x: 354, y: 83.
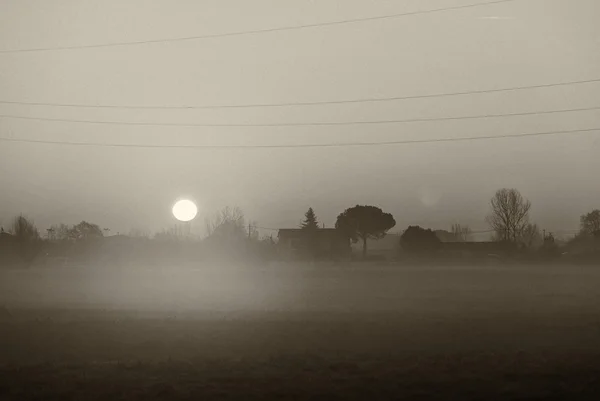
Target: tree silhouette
x: 85, y: 231
x: 531, y: 236
x: 27, y: 238
x: 310, y: 226
x: 310, y: 220
x: 590, y: 222
x: 510, y: 214
x: 417, y: 239
x: 363, y: 223
x: 461, y: 233
x: 226, y: 223
x: 24, y: 230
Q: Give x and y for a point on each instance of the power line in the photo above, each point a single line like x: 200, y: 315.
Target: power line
x: 315, y: 103
x: 312, y: 145
x: 258, y: 31
x: 307, y: 124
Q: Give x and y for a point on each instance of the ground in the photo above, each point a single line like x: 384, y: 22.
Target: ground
x: 352, y: 333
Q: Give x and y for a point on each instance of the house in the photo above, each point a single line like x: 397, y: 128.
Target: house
x: 477, y: 248
x: 9, y: 250
x: 6, y: 237
x: 294, y: 243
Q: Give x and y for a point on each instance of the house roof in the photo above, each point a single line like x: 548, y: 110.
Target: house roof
x: 5, y: 235
x: 476, y: 246
x: 298, y: 232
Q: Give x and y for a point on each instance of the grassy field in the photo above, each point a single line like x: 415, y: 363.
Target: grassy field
x: 287, y: 333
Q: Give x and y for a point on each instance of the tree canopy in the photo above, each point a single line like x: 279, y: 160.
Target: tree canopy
x: 418, y: 239
x: 363, y: 223
x: 85, y: 231
x: 27, y: 237
x: 590, y: 223
x: 24, y: 230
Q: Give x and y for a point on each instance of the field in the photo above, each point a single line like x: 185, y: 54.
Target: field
x: 358, y: 333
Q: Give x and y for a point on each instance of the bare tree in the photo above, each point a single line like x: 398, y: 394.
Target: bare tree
x: 461, y: 233
x: 509, y: 214
x: 139, y: 233
x: 60, y: 232
x: 167, y: 235
x: 531, y: 236
x: 226, y: 222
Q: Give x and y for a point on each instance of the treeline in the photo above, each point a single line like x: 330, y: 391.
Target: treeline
x: 229, y: 237
x: 512, y: 233
x: 84, y: 244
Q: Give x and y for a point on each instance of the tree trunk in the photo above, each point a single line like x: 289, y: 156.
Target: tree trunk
x: 364, y: 247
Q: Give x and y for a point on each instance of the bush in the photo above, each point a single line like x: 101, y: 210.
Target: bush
x: 419, y: 240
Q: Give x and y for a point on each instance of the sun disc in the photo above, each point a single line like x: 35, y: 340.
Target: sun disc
x: 185, y: 210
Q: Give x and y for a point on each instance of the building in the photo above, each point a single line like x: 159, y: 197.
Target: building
x: 477, y: 248
x: 295, y: 243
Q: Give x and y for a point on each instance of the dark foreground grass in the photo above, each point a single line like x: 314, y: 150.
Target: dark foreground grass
x: 285, y: 356
x: 450, y: 377
x: 413, y: 334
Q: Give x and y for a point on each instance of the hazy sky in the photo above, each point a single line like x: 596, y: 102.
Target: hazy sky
x: 525, y: 42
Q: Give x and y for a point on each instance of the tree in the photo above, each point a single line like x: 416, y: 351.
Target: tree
x: 590, y: 223
x: 60, y: 232
x: 418, y: 239
x: 85, y: 231
x: 228, y: 224
x: 531, y: 236
x: 310, y: 220
x: 24, y: 230
x: 27, y: 238
x: 310, y: 227
x: 445, y: 236
x: 165, y: 235
x: 139, y: 233
x: 363, y: 223
x: 461, y: 233
x: 509, y: 214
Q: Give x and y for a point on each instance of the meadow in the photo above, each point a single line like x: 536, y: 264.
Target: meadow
x: 301, y: 332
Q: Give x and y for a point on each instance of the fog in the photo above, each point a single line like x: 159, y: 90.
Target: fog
x: 346, y: 289
x: 269, y: 199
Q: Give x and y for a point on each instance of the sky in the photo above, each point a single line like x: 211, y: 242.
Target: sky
x: 519, y: 43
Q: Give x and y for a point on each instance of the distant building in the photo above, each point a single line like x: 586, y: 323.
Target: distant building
x: 477, y: 248
x: 9, y: 254
x: 4, y: 236
x: 329, y: 243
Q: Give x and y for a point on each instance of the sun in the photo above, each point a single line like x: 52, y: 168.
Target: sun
x: 185, y: 210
